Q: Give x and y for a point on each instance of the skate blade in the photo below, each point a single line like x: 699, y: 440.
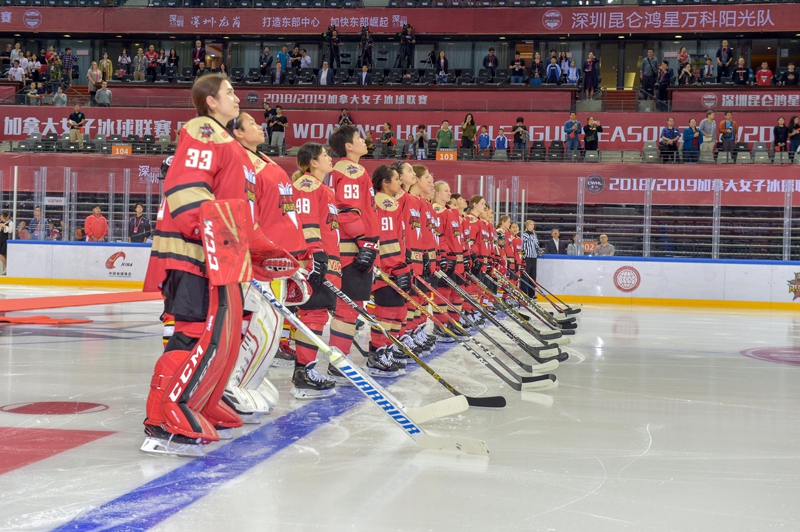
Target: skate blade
x: 225, y: 434
x: 281, y: 363
x: 302, y: 393
x: 156, y: 446
x: 446, y: 407
x: 458, y: 444
x: 380, y: 374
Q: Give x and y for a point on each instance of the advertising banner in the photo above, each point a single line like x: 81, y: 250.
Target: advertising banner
x: 735, y: 99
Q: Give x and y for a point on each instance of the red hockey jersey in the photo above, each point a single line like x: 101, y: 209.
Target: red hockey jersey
x: 412, y: 217
x: 355, y: 200
x: 319, y: 217
x: 392, y: 247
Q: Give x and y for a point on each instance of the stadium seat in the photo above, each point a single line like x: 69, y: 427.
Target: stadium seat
x: 781, y: 157
x: 631, y: 156
x: 610, y: 156
x: 592, y: 156
x: 744, y: 157
x: 724, y: 157
x: 650, y: 155
x: 761, y: 157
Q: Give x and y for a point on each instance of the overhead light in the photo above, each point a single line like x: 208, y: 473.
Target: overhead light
x: 171, y: 36
x: 562, y: 38
x: 67, y: 36
x: 679, y: 36
x: 769, y: 47
x: 119, y: 36
x: 502, y: 38
x: 17, y: 35
x: 621, y: 37
x: 226, y: 37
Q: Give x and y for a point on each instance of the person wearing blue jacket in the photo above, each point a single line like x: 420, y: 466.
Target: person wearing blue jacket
x: 572, y: 131
x: 553, y: 75
x: 692, y: 139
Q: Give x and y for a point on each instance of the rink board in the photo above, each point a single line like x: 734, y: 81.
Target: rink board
x: 766, y: 284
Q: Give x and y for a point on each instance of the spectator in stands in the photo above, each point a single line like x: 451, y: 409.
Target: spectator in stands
x: 603, y: 249
x: 648, y: 74
x: 692, y: 140
x: 790, y: 77
x: 664, y: 79
x: 729, y: 130
x: 162, y: 62
x: 265, y: 61
x: 38, y: 226
x: 138, y: 225
x: 686, y: 76
x: 365, y: 46
x: 670, y: 136
x: 325, y: 75
x: 279, y: 76
x: 23, y: 64
x: 17, y: 52
x: 223, y: 70
x: 591, y: 132
x: 442, y: 64
x: 501, y: 142
x: 106, y: 67
x: 96, y: 226
x: 764, y: 76
x: 335, y: 45
x: 35, y: 67
x: 708, y: 70
x: 55, y: 232
x: 76, y: 122
x: 536, y: 74
x: 124, y: 62
x: 590, y: 75
x: 555, y: 246
x: 444, y: 137
x: 22, y: 231
x: 103, y: 96
x: 573, y: 74
x: 724, y: 61
x: 468, y: 132
x: 484, y: 141
x: 5, y: 57
x: 295, y: 58
x: 283, y: 58
x: 491, y: 62
x: 34, y: 96
x: 17, y: 73
x: 553, y: 74
x: 421, y: 142
x: 278, y: 124
x: 54, y: 67
x: 152, y: 62
x: 60, y: 99
x: 741, y: 74
x: 345, y: 119
x: 369, y: 142
x: 139, y: 65
x: 563, y: 62
x: 305, y: 59
x: 708, y: 127
x: 517, y: 69
x: 387, y: 140
x: 793, y: 136
x: 410, y: 148
x: 572, y: 131
x: 365, y: 78
x: 94, y: 76
x: 780, y: 134
x: 269, y: 113
x: 172, y: 59
x: 198, y: 56
x: 683, y: 58
x: 521, y: 136
x: 6, y: 229
x: 574, y: 246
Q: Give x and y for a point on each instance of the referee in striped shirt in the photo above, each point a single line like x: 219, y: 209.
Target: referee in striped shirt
x: 531, y: 250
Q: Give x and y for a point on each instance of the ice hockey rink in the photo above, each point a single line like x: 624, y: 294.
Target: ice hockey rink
x: 664, y: 419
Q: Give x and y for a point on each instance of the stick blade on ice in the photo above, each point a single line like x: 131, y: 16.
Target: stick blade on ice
x: 455, y: 443
x: 446, y: 407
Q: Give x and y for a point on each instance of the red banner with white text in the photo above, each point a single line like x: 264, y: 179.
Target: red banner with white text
x: 736, y: 99
x: 485, y: 21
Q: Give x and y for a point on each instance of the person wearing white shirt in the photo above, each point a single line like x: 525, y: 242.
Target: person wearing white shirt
x: 16, y: 53
x: 325, y: 76
x: 305, y: 59
x: 365, y: 78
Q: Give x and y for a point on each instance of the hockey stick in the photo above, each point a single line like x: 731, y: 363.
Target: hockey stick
x: 567, y: 308
x: 535, y: 352
x: 518, y: 383
x: 376, y: 393
x: 546, y: 366
x: 489, y: 402
x: 531, y: 305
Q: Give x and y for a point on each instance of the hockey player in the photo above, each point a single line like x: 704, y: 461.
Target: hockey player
x: 318, y: 215
x: 429, y: 244
x: 476, y: 236
x: 359, y: 230
x: 277, y: 216
x: 451, y: 246
x: 390, y: 307
x: 516, y: 250
x: 184, y: 407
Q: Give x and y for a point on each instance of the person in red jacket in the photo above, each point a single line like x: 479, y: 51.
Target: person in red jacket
x: 429, y: 244
x: 474, y: 233
x: 516, y: 249
x: 764, y: 76
x: 96, y: 226
x: 184, y: 407
x: 390, y: 307
x: 359, y: 230
x: 451, y: 246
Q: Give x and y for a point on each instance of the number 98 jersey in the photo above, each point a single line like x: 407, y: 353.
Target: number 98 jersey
x: 208, y: 164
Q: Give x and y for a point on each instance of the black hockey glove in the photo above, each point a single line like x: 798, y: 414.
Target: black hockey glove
x: 319, y: 267
x: 401, y: 276
x: 367, y: 253
x: 426, y: 267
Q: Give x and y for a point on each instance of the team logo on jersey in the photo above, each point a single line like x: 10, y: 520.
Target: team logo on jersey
x: 415, y: 222
x: 387, y: 203
x: 456, y: 229
x: 431, y: 225
x: 286, y: 201
x: 306, y: 182
x: 250, y: 188
x: 333, y: 217
x: 206, y: 131
x: 351, y: 169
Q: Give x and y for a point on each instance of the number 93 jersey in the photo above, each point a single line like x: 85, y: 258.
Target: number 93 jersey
x: 355, y: 199
x: 208, y: 164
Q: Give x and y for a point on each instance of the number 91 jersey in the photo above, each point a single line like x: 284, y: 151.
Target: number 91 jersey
x: 208, y: 164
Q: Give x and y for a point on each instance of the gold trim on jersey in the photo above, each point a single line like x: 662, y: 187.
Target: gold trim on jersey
x: 312, y: 233
x: 188, y: 196
x: 207, y: 130
x: 349, y: 169
x: 307, y: 183
x: 348, y: 248
x: 389, y: 248
x: 180, y: 247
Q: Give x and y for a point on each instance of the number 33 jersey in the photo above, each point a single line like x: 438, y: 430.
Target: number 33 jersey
x: 208, y: 164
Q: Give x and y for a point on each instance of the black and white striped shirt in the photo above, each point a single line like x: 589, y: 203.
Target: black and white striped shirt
x: 530, y: 245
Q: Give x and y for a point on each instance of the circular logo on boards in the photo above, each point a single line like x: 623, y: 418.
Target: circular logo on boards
x: 595, y: 183
x: 627, y: 279
x: 32, y: 18
x: 709, y: 100
x: 251, y: 98
x: 552, y: 19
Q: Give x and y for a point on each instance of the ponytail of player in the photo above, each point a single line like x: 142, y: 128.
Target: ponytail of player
x: 308, y: 152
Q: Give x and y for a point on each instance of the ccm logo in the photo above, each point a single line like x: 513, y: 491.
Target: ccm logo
x: 211, y: 247
x: 188, y: 370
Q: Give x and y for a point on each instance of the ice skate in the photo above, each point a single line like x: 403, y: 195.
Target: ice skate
x: 160, y: 442
x: 286, y: 355
x: 308, y: 383
x: 381, y: 365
